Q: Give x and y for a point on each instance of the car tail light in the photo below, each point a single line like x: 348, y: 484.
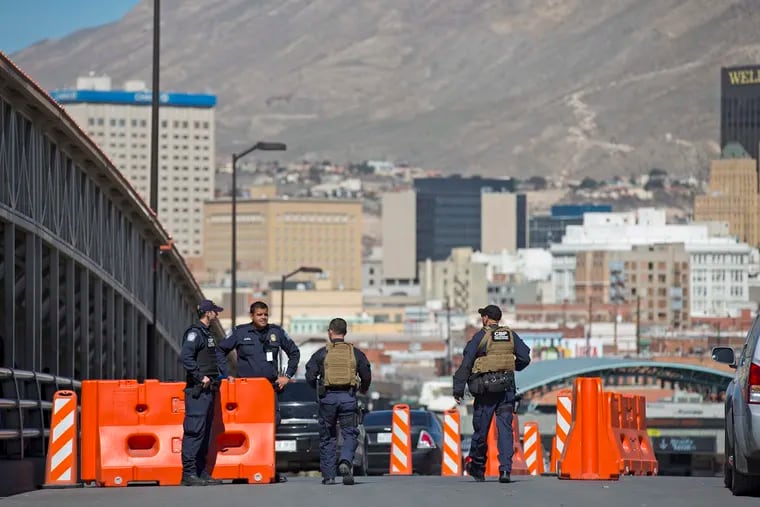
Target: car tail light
x: 426, y: 441
x: 753, y: 384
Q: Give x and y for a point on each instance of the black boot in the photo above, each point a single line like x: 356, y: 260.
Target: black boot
x: 327, y: 481
x: 478, y: 475
x: 193, y: 480
x: 209, y: 480
x: 504, y: 478
x: 347, y: 471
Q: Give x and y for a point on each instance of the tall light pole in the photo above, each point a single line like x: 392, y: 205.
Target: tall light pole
x: 302, y: 269
x: 150, y: 367
x: 261, y: 146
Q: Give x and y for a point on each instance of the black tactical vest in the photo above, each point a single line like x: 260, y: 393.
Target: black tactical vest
x: 207, y: 355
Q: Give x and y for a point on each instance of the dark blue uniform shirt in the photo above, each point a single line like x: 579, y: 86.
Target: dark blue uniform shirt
x: 258, y: 351
x: 471, y: 352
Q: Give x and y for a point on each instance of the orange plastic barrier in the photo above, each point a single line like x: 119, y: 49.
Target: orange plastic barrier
x: 244, y: 432
x: 564, y: 420
x: 534, y: 452
x: 61, y: 464
x: 451, y: 464
x: 620, y: 408
x: 492, y: 458
x: 132, y: 433
x: 591, y: 451
x: 649, y: 463
x: 401, y: 441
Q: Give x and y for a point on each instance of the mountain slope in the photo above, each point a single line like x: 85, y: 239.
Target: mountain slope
x: 578, y: 87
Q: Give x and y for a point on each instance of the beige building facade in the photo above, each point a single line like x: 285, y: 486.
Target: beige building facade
x: 657, y: 275
x: 277, y: 236
x: 732, y: 195
x: 458, y: 280
x: 399, y: 235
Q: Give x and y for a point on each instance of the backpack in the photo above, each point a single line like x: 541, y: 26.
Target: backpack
x: 340, y: 365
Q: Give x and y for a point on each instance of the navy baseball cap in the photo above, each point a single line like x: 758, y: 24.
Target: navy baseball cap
x: 208, y: 306
x: 491, y: 311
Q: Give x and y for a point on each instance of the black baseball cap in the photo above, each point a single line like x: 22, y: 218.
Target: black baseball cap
x: 208, y: 306
x: 491, y: 311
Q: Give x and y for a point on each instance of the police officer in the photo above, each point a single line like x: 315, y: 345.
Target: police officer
x: 258, y: 346
x: 488, y: 367
x: 200, y: 361
x: 336, y: 367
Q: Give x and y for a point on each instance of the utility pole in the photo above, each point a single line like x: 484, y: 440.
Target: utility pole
x: 448, y: 336
x: 588, y: 330
x: 638, y: 325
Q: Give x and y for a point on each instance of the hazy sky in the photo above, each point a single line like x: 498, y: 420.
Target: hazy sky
x: 24, y: 22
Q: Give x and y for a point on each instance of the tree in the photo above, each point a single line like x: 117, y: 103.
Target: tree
x: 589, y: 183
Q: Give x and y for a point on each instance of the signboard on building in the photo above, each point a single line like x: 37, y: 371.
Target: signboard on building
x: 684, y: 445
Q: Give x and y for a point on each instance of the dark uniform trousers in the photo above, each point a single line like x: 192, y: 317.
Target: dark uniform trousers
x: 199, y: 418
x: 336, y: 407
x: 485, y: 406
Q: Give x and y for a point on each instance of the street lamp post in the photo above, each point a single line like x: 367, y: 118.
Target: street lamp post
x: 261, y: 146
x: 150, y: 368
x: 302, y: 269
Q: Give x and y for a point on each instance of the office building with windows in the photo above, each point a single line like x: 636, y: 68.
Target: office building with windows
x: 119, y: 121
x: 740, y: 107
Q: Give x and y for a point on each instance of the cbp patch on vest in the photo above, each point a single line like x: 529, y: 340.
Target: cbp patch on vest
x: 502, y: 336
x: 273, y: 337
x: 191, y: 337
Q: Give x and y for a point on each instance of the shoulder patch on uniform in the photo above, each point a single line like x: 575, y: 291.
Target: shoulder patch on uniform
x: 273, y: 337
x: 192, y: 336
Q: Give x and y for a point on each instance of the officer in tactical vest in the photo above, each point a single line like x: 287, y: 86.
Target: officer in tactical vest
x: 340, y: 370
x: 489, y: 362
x: 203, y: 372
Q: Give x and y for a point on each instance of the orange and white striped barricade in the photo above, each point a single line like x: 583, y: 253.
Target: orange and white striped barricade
x: 564, y: 421
x: 451, y: 464
x: 401, y: 441
x: 534, y: 455
x: 61, y: 464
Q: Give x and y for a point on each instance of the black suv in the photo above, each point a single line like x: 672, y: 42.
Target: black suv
x: 297, y: 438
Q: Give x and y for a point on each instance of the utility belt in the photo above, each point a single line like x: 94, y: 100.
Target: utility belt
x: 491, y: 382
x: 212, y: 387
x: 323, y: 389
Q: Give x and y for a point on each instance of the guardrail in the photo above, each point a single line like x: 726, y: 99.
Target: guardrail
x: 25, y: 404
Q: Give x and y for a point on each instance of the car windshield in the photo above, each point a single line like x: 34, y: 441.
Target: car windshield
x: 298, y: 391
x: 383, y: 418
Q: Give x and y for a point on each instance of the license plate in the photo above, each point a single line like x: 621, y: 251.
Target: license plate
x: 383, y: 438
x: 285, y: 445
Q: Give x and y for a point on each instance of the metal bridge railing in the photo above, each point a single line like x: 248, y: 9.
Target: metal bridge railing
x: 25, y: 406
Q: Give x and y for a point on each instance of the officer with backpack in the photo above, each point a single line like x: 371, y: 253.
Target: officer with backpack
x: 489, y: 362
x: 338, y: 371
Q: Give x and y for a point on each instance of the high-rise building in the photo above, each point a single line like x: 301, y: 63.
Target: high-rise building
x: 276, y: 236
x: 740, y: 108
x: 450, y: 214
x: 732, y: 195
x: 119, y: 121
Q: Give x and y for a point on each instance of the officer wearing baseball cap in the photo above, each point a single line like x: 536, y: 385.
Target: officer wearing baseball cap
x: 489, y: 362
x: 203, y: 370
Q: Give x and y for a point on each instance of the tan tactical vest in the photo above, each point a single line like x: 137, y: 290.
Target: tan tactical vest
x: 500, y: 351
x: 340, y: 365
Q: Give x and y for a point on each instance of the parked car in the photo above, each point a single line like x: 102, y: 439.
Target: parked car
x: 427, y: 437
x: 742, y: 433
x: 297, y: 437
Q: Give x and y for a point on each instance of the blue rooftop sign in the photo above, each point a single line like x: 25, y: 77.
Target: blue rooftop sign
x: 143, y: 98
